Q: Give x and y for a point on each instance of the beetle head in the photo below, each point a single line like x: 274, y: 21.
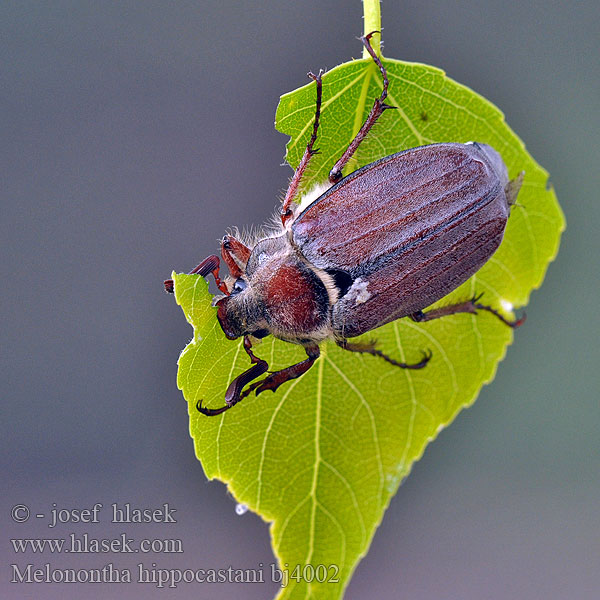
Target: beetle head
x: 240, y: 313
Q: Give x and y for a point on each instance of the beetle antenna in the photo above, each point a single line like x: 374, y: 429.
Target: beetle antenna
x: 209, y: 265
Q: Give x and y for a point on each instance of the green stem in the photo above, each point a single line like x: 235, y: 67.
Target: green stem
x: 372, y: 19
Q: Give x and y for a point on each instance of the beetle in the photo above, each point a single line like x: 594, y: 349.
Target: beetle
x: 384, y: 242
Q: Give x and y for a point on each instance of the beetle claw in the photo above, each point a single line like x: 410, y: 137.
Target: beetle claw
x: 211, y: 412
x: 426, y: 354
x: 513, y: 323
x: 265, y: 385
x: 518, y: 322
x: 368, y: 36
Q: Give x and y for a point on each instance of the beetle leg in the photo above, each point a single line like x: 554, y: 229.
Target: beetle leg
x: 248, y: 349
x: 369, y: 348
x: 234, y: 391
x: 233, y: 394
x: 208, y: 265
x: 275, y: 379
x: 286, y: 212
x: 378, y: 107
x: 470, y: 306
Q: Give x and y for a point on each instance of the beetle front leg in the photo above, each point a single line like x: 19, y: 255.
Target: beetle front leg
x: 234, y: 391
x: 470, y: 306
x: 379, y: 106
x: 369, y: 348
x: 275, y: 379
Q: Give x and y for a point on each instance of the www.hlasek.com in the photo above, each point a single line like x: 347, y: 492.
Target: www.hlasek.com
x: 171, y: 578
x: 86, y: 544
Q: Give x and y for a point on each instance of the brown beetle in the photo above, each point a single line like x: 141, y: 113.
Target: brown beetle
x: 385, y: 242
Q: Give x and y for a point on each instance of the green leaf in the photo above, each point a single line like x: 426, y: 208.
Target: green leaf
x: 322, y: 457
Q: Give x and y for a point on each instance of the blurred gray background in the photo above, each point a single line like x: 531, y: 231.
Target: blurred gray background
x: 133, y: 135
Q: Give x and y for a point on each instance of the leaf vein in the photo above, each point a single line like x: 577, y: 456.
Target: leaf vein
x: 372, y: 422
